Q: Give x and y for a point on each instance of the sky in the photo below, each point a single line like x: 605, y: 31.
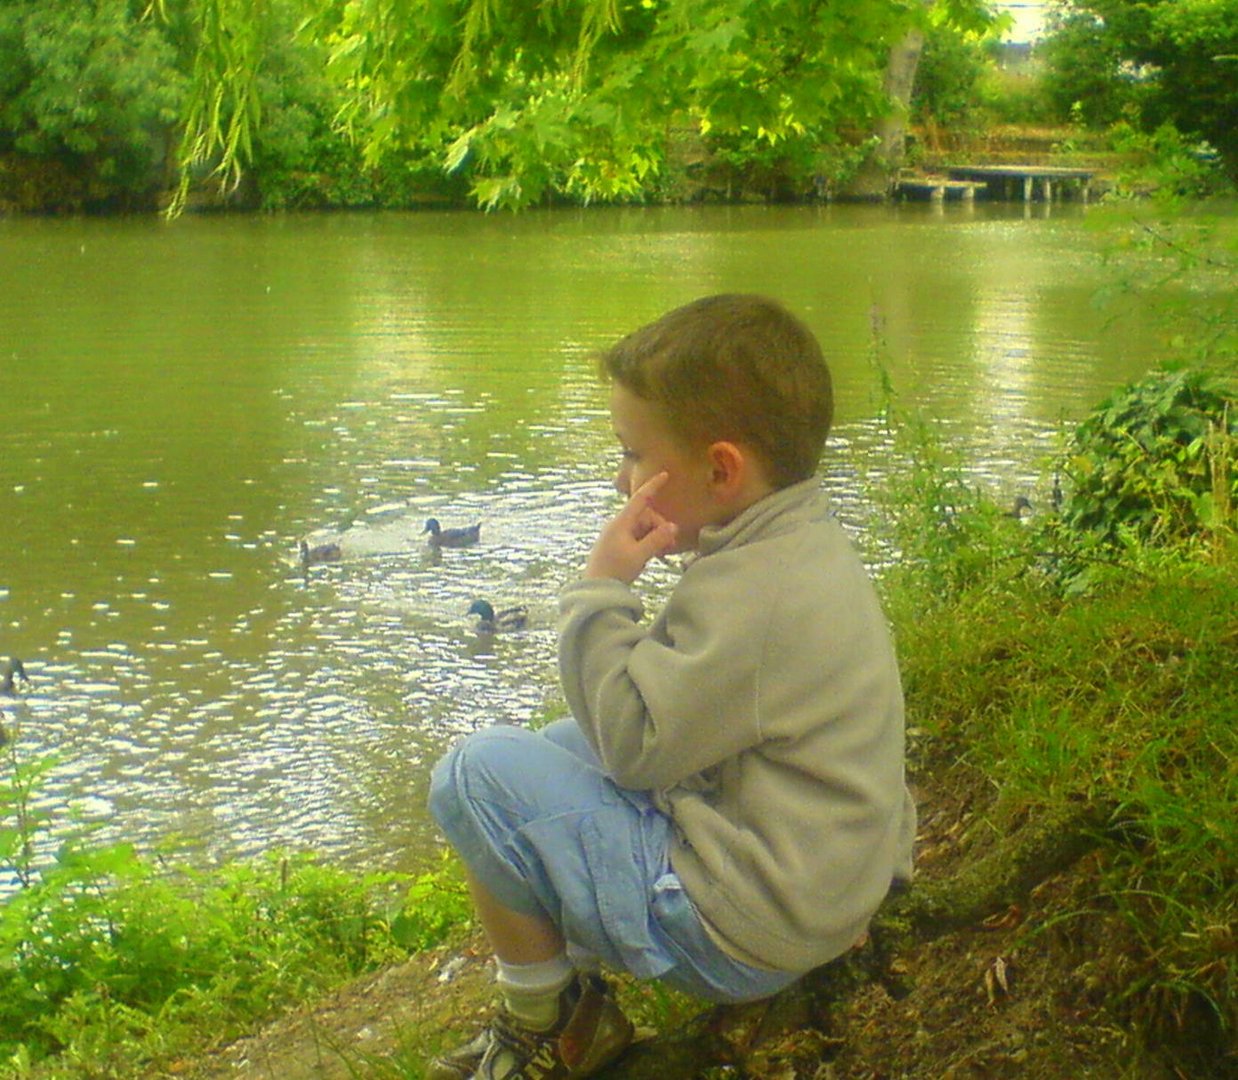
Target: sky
x: 1028, y: 15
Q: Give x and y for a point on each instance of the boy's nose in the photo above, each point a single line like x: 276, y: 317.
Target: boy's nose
x: 623, y: 481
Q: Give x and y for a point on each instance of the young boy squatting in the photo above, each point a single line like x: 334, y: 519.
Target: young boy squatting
x: 726, y: 808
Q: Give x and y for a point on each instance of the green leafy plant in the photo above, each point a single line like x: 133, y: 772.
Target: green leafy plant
x: 1165, y: 161
x: 112, y: 960
x: 1154, y: 463
x: 90, y: 91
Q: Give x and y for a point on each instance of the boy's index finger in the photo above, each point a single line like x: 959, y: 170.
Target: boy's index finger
x: 644, y: 494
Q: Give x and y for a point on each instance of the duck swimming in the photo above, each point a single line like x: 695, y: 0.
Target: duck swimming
x: 490, y: 621
x: 462, y: 536
x: 10, y: 672
x: 1022, y: 505
x: 320, y: 553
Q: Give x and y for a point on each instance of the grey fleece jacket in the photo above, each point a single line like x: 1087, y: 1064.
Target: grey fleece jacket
x: 763, y: 709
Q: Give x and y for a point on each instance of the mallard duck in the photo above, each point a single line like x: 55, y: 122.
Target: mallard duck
x: 320, y: 553
x: 1021, y: 506
x: 457, y: 537
x: 490, y: 621
x: 10, y: 672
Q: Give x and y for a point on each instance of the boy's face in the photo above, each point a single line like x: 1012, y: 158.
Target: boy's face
x: 649, y: 448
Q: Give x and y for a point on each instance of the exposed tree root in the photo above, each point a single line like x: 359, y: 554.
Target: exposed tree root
x: 973, y: 890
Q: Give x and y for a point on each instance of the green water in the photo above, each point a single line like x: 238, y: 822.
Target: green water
x: 183, y: 401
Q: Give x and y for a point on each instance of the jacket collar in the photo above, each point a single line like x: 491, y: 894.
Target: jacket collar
x: 777, y: 513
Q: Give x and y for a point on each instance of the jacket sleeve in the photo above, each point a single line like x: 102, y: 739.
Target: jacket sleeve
x: 662, y: 704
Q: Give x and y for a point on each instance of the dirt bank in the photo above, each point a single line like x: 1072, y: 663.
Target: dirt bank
x: 1004, y: 980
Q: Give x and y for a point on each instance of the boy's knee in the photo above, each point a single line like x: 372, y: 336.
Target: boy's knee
x: 443, y: 788
x: 473, y: 766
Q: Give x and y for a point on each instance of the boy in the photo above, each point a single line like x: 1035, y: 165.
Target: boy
x: 725, y: 809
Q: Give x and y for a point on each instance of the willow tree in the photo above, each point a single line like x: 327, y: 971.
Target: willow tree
x: 575, y: 96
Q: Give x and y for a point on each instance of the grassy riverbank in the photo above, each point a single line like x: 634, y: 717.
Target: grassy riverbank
x: 1073, y: 761
x: 1071, y: 706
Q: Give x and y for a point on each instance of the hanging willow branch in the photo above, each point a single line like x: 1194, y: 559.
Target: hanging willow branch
x: 223, y: 110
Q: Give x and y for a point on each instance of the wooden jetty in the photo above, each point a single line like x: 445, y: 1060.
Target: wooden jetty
x: 938, y: 187
x: 1030, y: 178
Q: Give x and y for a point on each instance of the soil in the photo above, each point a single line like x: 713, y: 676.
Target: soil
x: 1022, y: 991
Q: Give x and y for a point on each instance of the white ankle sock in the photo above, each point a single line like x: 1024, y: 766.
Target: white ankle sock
x: 531, y: 991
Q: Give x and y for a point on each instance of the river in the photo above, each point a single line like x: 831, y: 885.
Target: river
x: 184, y: 401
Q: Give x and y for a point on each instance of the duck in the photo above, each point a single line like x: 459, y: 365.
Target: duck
x: 10, y: 672
x: 463, y: 536
x: 490, y: 621
x: 320, y: 553
x: 1022, y: 505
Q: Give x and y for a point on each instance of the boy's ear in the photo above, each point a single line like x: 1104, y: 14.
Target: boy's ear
x: 728, y: 469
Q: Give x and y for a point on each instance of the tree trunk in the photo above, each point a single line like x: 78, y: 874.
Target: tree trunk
x: 876, y: 176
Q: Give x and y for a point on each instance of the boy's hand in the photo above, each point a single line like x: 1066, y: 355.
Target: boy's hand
x: 632, y: 537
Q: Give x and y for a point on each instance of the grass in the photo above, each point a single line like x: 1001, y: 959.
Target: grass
x: 1089, y: 676
x: 115, y: 964
x: 1123, y: 706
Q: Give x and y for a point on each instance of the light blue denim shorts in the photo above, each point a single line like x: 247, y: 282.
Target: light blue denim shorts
x: 548, y: 833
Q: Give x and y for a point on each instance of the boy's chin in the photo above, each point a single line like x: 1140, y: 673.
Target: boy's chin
x: 681, y: 546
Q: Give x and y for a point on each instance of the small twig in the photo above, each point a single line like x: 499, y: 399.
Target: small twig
x: 1173, y: 245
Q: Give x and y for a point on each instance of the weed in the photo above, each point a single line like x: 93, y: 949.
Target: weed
x: 109, y: 959
x: 1121, y: 702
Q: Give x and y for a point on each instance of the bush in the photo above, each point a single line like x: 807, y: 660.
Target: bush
x: 111, y: 960
x: 91, y: 90
x: 1167, y: 162
x: 1154, y: 464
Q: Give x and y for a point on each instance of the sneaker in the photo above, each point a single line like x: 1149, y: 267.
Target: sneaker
x: 461, y: 1063
x: 590, y: 1033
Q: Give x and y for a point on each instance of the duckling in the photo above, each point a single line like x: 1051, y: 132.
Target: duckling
x: 10, y: 672
x: 490, y: 621
x: 462, y: 536
x: 1022, y: 505
x: 320, y: 553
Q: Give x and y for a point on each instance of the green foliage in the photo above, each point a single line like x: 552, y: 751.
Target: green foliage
x: 944, y: 531
x: 951, y: 66
x: 90, y: 87
x: 435, y: 904
x: 1151, y: 63
x: 109, y: 959
x: 1087, y: 76
x: 561, y: 97
x: 1167, y: 162
x: 1115, y: 706
x: 1012, y: 97
x: 1154, y: 464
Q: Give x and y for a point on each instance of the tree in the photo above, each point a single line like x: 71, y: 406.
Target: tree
x: 90, y: 91
x: 1156, y: 61
x: 948, y: 91
x: 573, y: 96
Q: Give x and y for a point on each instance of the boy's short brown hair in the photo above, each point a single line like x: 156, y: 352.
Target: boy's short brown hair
x: 737, y: 368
